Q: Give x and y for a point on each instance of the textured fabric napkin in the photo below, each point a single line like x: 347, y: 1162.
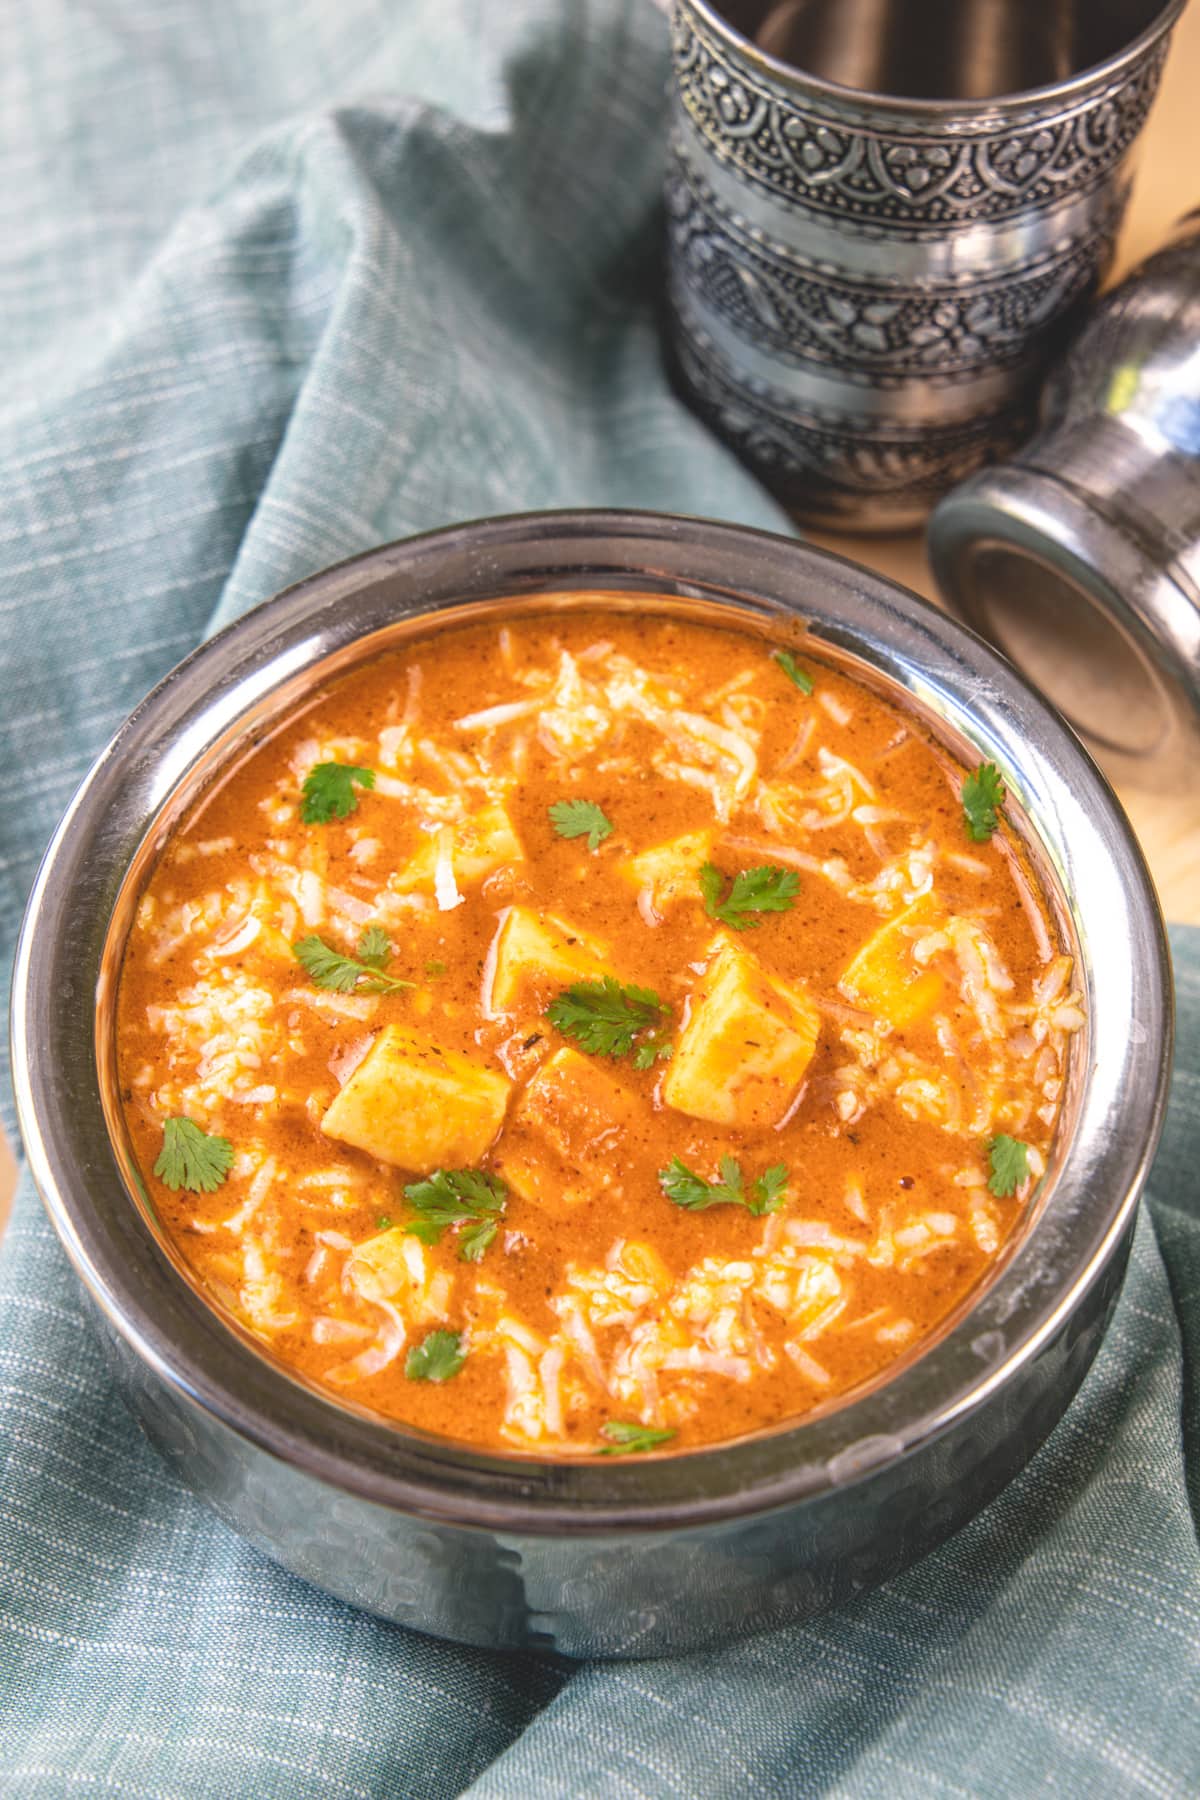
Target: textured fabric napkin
x: 280, y: 279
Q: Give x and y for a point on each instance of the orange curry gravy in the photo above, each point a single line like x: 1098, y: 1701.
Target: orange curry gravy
x: 868, y: 1042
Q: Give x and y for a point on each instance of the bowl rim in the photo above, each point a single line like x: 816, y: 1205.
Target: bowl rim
x: 785, y: 586
x: 983, y: 114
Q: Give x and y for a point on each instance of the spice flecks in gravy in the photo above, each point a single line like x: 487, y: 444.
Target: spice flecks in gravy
x: 714, y: 1022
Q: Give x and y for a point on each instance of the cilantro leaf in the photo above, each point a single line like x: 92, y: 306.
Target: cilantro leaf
x: 328, y: 791
x: 767, y: 888
x: 458, y: 1197
x: 1008, y: 1161
x: 191, y: 1158
x: 328, y: 968
x: 474, y: 1241
x: 768, y: 1191
x: 606, y: 1017
x: 581, y: 818
x: 625, y: 1438
x: 374, y: 947
x: 689, y: 1190
x: 792, y: 670
x: 982, y: 793
x: 435, y: 967
x: 694, y: 1194
x: 436, y: 1358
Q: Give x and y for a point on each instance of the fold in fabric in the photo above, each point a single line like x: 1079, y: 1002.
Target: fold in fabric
x: 279, y: 282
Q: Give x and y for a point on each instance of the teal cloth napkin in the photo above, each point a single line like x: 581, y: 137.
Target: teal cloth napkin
x: 280, y: 279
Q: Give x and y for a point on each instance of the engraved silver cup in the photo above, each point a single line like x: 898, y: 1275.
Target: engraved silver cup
x: 881, y: 214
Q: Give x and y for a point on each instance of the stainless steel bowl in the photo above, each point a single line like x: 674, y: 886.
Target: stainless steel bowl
x: 613, y: 1558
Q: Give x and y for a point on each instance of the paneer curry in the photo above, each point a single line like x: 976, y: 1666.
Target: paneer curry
x: 593, y: 1032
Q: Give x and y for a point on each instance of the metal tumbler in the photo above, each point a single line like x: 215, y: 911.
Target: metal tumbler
x: 1081, y: 557
x: 881, y: 215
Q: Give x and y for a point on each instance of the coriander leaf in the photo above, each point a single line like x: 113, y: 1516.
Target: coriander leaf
x: 605, y: 1018
x: 436, y: 1358
x: 374, y: 947
x: 191, y: 1158
x: 982, y: 793
x: 793, y: 671
x: 650, y: 1051
x: 764, y: 889
x: 689, y: 1190
x: 429, y: 1231
x: 628, y: 1439
x: 473, y: 1242
x: 384, y: 1222
x: 581, y: 818
x: 328, y: 968
x: 694, y: 1194
x: 1008, y: 1161
x: 769, y: 1192
x: 458, y: 1197
x: 328, y: 791
x: 434, y: 967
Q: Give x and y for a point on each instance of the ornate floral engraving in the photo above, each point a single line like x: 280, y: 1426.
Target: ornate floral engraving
x: 828, y: 464
x: 841, y: 166
x: 883, y: 327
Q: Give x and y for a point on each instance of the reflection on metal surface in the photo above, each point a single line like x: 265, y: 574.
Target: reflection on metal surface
x: 1081, y: 556
x: 941, y: 49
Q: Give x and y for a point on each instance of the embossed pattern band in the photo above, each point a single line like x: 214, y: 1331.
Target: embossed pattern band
x: 860, y: 382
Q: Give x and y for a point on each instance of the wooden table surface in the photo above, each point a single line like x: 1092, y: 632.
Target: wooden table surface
x: 1167, y: 186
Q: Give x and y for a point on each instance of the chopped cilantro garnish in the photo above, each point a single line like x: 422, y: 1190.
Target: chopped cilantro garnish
x: 191, y: 1158
x: 435, y: 967
x: 328, y: 791
x: 384, y: 1222
x: 689, y: 1190
x: 762, y: 890
x: 982, y: 793
x: 473, y: 1242
x: 625, y: 1438
x: 607, y: 1018
x: 436, y: 1358
x: 328, y: 968
x: 1008, y: 1161
x: 581, y: 818
x: 374, y: 947
x: 458, y: 1197
x: 793, y: 671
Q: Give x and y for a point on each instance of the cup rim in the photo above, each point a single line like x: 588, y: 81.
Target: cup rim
x: 981, y: 111
x: 168, y: 1330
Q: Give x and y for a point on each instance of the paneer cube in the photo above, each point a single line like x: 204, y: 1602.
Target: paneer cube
x: 563, y: 1142
x: 670, y: 872
x: 746, y: 1047
x: 414, y: 1104
x: 884, y: 979
x: 539, y: 955
x: 393, y: 1266
x: 478, y: 845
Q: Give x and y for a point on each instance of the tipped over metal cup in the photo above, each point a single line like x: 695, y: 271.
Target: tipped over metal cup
x: 1080, y: 558
x: 880, y: 214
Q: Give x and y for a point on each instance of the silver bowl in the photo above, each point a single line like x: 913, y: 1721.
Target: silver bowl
x: 612, y: 1558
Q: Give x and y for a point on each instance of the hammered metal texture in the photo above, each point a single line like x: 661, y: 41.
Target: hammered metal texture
x: 862, y: 296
